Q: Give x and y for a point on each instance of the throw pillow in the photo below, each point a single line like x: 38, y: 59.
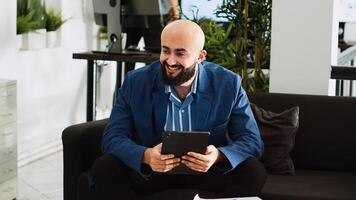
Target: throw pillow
x: 278, y: 132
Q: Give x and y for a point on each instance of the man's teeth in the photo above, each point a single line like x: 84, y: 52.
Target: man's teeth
x: 173, y: 67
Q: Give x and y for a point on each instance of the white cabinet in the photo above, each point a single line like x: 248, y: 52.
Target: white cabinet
x: 8, y: 140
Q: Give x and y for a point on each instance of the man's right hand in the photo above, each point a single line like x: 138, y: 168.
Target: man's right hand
x: 159, y: 162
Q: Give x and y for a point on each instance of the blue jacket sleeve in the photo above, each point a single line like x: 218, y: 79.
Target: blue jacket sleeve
x: 118, y: 135
x: 243, y: 132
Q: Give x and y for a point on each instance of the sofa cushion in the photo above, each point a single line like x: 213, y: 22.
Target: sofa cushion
x: 278, y: 134
x: 326, y: 134
x: 311, y: 185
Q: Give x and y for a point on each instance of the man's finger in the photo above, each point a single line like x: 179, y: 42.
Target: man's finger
x: 168, y: 161
x: 194, y: 166
x: 166, y: 156
x: 159, y: 147
x: 195, y: 160
x: 172, y: 161
x: 164, y: 163
x: 165, y: 168
x: 198, y: 156
x: 170, y: 167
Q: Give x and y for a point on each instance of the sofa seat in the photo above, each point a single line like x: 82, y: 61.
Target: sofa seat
x: 311, y: 185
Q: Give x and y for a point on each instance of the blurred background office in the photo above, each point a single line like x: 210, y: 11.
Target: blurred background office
x: 51, y: 86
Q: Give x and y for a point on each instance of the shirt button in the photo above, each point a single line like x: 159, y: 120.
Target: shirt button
x: 182, y: 111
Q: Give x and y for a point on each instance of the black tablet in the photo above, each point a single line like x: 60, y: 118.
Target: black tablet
x: 180, y: 143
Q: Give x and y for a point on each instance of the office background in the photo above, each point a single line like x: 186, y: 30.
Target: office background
x: 51, y: 86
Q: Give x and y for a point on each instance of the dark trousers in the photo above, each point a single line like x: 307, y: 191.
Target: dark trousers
x: 114, y: 180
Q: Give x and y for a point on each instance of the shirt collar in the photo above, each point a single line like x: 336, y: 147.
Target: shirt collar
x: 168, y: 88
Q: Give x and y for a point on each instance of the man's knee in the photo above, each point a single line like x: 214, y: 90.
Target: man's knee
x: 107, y: 167
x: 248, y: 178
x: 255, y: 166
x: 252, y: 169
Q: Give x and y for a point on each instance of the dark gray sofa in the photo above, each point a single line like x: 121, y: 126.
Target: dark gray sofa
x: 324, y: 154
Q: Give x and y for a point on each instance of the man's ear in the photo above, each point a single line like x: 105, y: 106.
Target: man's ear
x: 202, y: 55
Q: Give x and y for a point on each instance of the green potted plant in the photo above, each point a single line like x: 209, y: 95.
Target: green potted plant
x: 54, y: 21
x: 252, y: 19
x: 221, y: 49
x: 24, y: 23
x: 102, y: 38
x: 242, y: 44
x: 23, y: 26
x: 31, y: 23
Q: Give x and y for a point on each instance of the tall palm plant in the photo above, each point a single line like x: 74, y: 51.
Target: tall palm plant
x: 242, y: 44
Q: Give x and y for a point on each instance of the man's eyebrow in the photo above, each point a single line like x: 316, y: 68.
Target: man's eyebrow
x: 180, y: 50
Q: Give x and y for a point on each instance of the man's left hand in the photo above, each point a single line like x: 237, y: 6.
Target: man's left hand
x: 200, y: 162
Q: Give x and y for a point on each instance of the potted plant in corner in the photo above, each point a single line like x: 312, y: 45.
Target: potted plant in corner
x: 53, y: 23
x: 33, y: 11
x: 252, y: 38
x: 24, y: 25
x: 242, y: 43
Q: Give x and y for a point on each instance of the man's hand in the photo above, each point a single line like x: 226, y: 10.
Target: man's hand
x: 200, y: 162
x: 159, y: 162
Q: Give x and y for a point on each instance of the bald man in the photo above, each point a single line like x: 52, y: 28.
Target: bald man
x: 180, y: 92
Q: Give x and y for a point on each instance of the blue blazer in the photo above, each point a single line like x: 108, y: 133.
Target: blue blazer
x: 138, y: 116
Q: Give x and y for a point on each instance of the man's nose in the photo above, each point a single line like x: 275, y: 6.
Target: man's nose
x: 171, y: 60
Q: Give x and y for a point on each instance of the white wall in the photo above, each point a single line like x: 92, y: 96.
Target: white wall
x: 303, y: 46
x: 51, y: 85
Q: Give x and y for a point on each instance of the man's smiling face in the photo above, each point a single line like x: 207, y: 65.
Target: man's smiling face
x: 181, y: 51
x: 174, y: 72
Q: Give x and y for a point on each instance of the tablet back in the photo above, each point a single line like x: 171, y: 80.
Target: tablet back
x: 180, y: 143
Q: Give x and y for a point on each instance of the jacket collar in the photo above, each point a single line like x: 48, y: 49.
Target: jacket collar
x: 203, y: 100
x: 160, y: 100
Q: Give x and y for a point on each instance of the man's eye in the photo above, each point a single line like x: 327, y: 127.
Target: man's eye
x: 180, y: 54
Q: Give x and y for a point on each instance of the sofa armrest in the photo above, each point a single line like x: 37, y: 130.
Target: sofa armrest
x: 81, y: 147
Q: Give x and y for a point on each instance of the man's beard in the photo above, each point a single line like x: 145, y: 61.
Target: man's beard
x: 185, y: 75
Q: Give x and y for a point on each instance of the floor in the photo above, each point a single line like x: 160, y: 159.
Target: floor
x: 42, y: 179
